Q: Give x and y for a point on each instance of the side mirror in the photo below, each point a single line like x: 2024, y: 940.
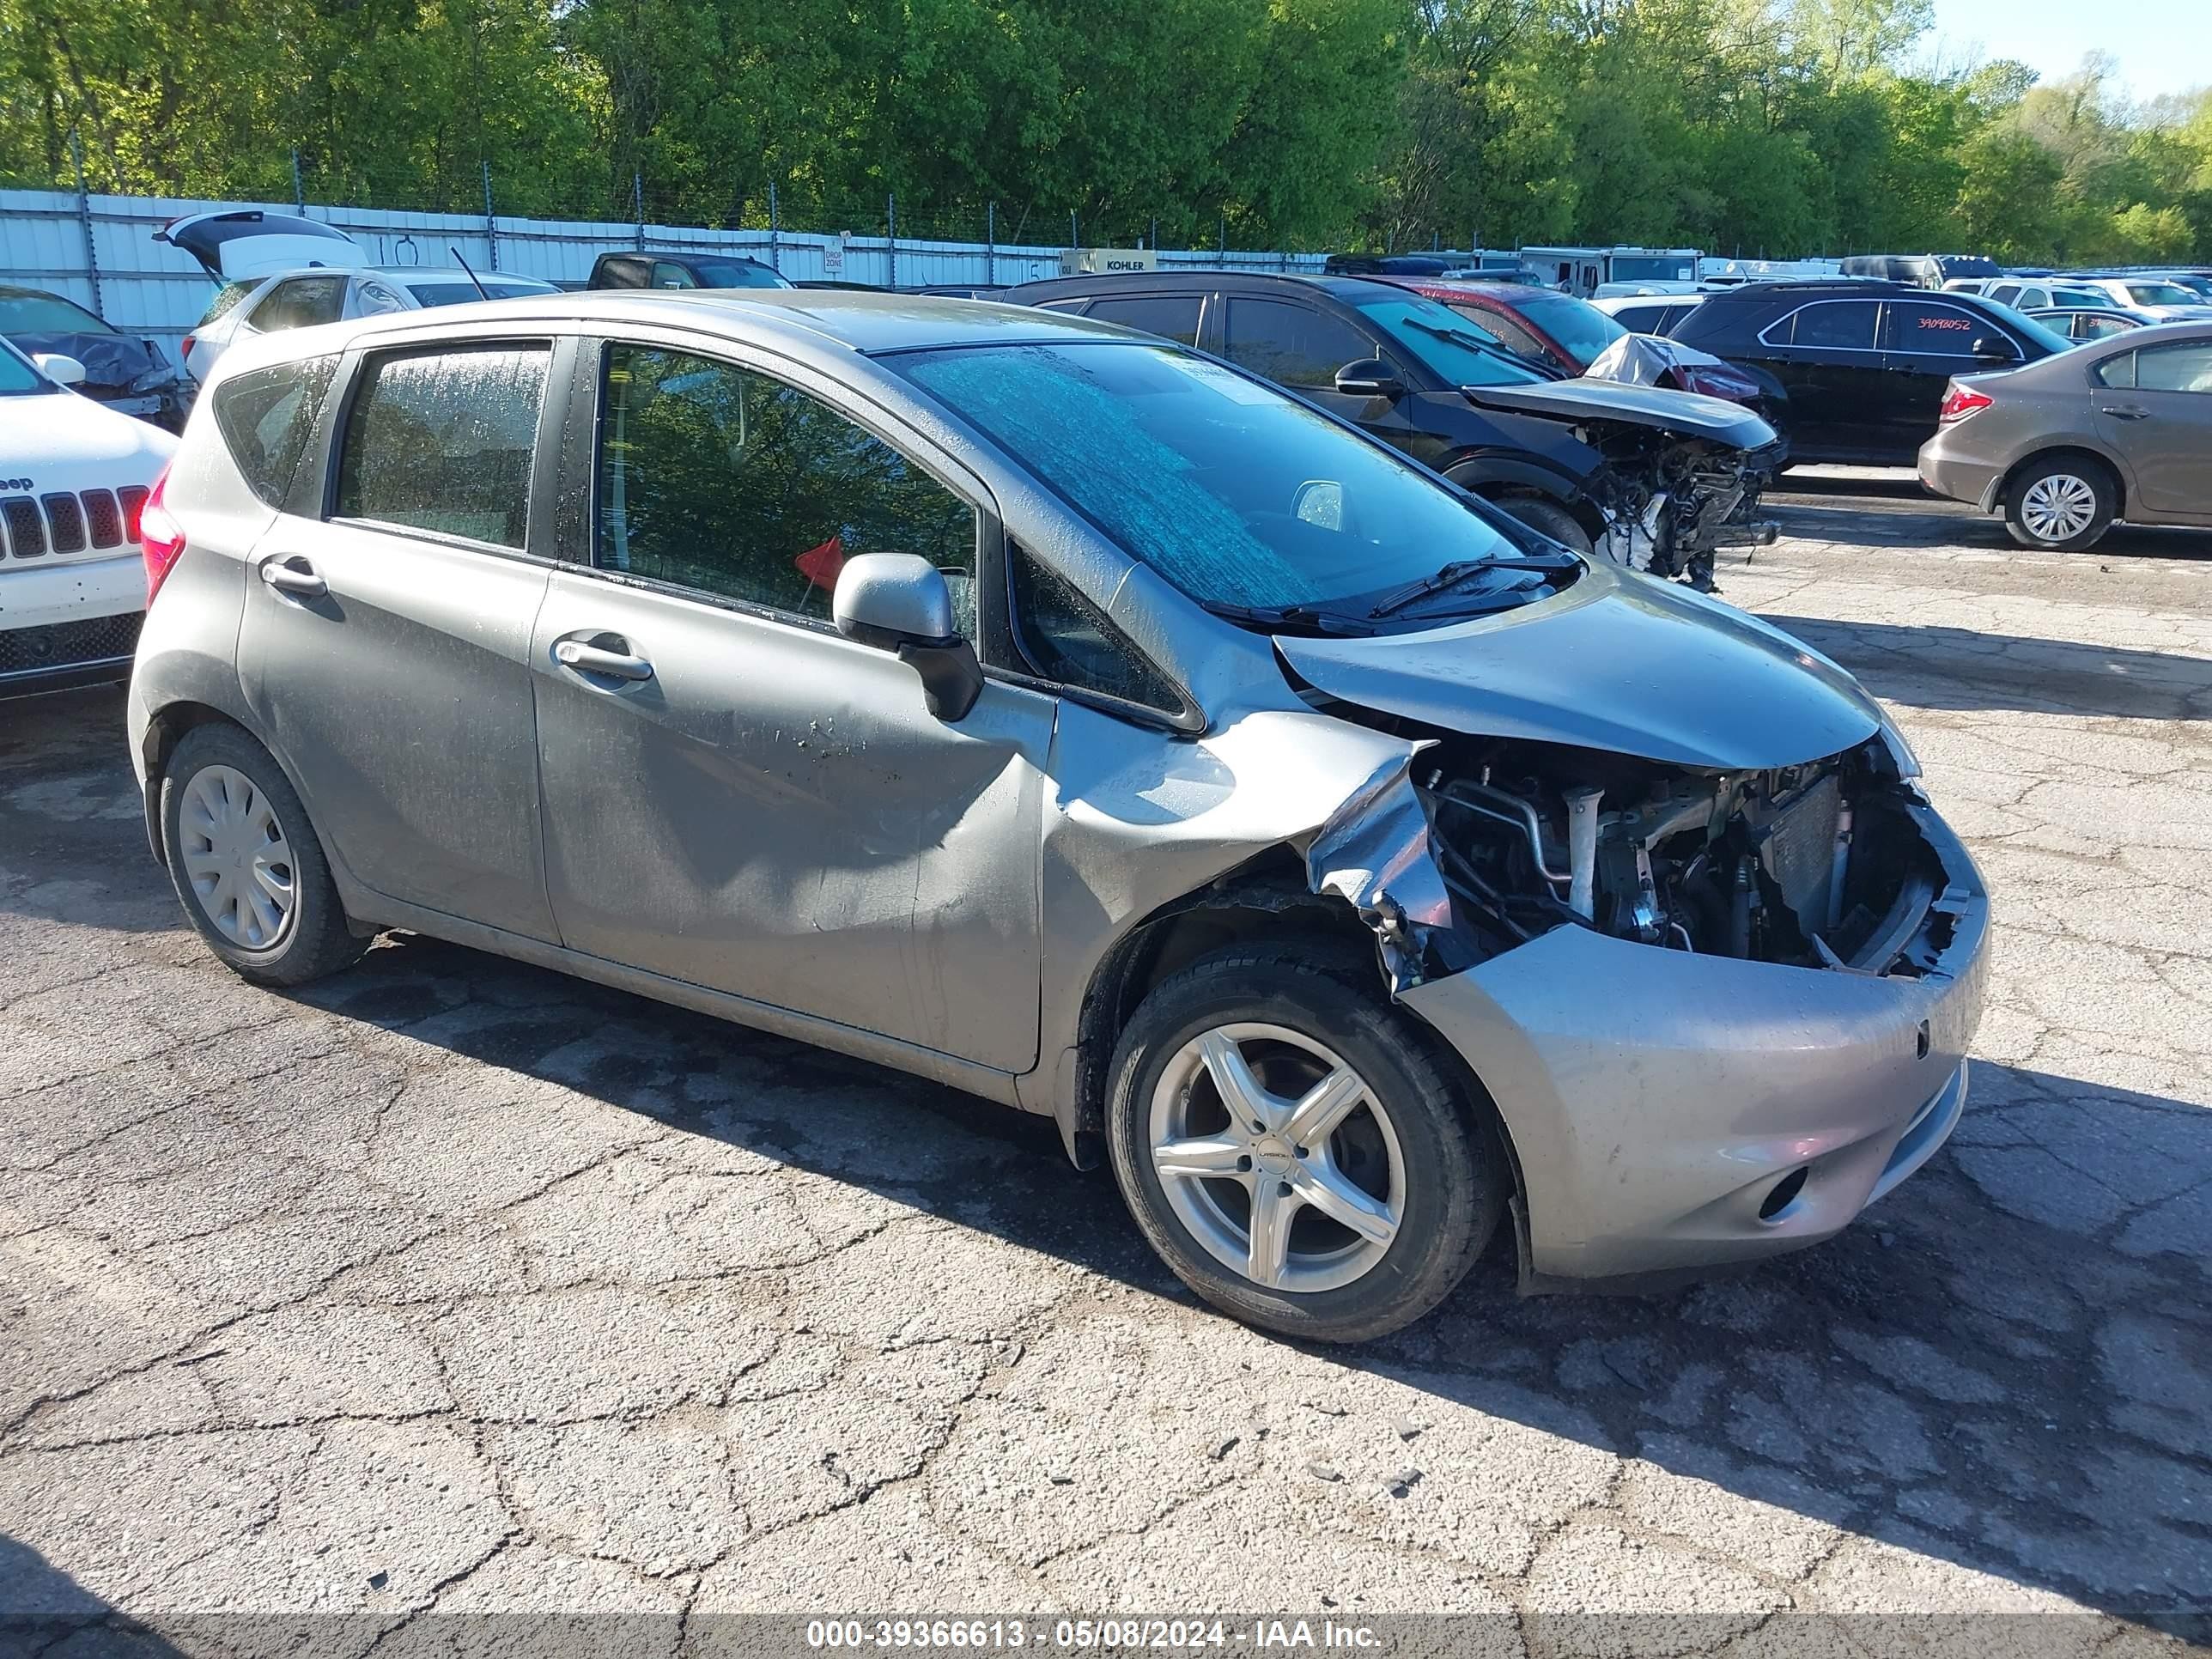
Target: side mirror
x: 899, y: 603
x: 1370, y: 377
x: 66, y: 371
x: 1991, y: 349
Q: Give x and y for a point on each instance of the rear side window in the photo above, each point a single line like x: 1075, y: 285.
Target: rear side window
x: 301, y: 302
x: 1642, y: 320
x: 1928, y: 329
x: 267, y: 417
x: 1170, y: 316
x: 1292, y: 344
x: 2184, y: 365
x: 442, y: 441
x: 1837, y: 324
x: 227, y: 300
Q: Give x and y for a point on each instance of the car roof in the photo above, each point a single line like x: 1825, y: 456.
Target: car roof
x: 19, y: 291
x: 805, y: 320
x: 1815, y: 287
x: 1351, y: 290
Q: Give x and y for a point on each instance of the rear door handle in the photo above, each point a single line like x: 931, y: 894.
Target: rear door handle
x: 587, y: 659
x: 293, y: 574
x: 2129, y: 414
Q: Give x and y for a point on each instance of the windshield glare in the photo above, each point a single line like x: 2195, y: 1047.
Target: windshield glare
x: 2161, y: 293
x: 1457, y: 351
x: 1233, y: 492
x: 47, y: 314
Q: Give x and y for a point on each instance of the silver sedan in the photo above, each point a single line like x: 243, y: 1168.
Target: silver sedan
x: 1064, y: 715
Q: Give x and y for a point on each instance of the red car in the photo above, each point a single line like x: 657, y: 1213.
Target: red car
x: 1558, y: 331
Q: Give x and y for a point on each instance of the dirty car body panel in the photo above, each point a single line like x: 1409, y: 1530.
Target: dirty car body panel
x: 1657, y: 877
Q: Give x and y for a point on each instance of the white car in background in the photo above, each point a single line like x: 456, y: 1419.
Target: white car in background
x: 75, y: 475
x: 280, y: 271
x: 2159, y: 296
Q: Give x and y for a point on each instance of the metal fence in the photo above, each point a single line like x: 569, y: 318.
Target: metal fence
x: 99, y: 251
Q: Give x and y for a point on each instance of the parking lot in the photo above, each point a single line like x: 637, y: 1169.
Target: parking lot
x: 452, y: 1287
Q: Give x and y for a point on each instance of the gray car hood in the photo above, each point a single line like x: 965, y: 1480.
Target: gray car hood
x: 1635, y: 405
x: 1618, y: 662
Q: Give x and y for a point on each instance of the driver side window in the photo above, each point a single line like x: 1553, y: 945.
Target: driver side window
x: 1291, y: 344
x: 726, y: 481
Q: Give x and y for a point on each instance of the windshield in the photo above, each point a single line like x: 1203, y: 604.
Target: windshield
x: 2161, y: 293
x: 1582, y: 330
x: 17, y: 378
x: 1653, y: 268
x: 2092, y: 298
x: 1457, y: 352
x: 735, y: 273
x: 464, y: 291
x: 46, y: 313
x: 1234, y: 493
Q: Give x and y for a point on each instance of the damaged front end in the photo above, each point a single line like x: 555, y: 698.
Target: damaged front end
x: 1678, y: 474
x: 1718, y: 1013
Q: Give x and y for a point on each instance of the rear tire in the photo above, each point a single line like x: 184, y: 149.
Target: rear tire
x: 1548, y: 518
x: 1375, y: 1199
x: 247, y: 864
x: 2061, y: 505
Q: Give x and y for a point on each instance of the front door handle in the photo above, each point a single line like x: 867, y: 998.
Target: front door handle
x: 586, y: 658
x: 2129, y: 414
x: 295, y: 575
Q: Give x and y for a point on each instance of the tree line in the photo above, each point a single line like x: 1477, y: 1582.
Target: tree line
x: 1759, y: 127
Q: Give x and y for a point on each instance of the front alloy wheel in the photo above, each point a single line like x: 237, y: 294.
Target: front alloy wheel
x: 1304, y: 1154
x: 1277, y: 1158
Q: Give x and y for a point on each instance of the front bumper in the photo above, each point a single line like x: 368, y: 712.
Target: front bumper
x: 69, y: 623
x: 1656, y: 1100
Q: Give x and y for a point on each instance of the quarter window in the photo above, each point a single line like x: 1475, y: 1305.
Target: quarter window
x: 1292, y: 344
x: 301, y: 302
x: 720, y: 479
x: 442, y: 441
x: 1170, y: 316
x: 1066, y: 641
x: 267, y: 417
x: 1835, y: 324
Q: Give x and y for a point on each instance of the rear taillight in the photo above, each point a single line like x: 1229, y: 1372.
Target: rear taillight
x: 1959, y: 402
x: 184, y: 351
x: 159, y: 537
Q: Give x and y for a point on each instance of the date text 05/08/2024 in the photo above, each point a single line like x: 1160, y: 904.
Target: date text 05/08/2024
x: 1160, y: 1634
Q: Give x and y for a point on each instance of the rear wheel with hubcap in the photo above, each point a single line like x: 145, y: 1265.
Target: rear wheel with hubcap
x: 245, y: 863
x: 1296, y: 1149
x: 2061, y: 505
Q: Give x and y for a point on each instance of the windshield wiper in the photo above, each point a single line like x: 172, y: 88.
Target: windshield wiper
x: 1289, y: 615
x: 1504, y: 353
x: 1462, y: 570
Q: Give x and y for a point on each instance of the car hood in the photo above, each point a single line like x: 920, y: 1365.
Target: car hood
x: 1662, y: 407
x: 111, y: 361
x: 60, y: 440
x: 1618, y: 662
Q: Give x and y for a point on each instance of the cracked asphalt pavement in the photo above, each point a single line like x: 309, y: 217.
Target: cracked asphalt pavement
x: 455, y: 1287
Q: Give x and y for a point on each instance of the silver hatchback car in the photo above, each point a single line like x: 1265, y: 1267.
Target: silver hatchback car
x: 1058, y: 714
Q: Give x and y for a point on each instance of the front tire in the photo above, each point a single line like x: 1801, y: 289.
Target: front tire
x: 1296, y: 1149
x: 2061, y: 505
x: 247, y: 864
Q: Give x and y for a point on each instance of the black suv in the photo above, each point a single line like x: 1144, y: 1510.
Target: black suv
x: 1862, y: 364
x: 682, y: 270
x: 1560, y: 455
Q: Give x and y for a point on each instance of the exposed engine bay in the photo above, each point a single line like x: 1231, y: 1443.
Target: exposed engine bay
x: 1814, y: 865
x: 1672, y: 501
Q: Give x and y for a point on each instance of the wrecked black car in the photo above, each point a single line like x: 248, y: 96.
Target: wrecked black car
x: 129, y: 375
x: 1655, y: 479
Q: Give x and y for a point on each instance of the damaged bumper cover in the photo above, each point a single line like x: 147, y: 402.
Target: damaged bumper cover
x: 1671, y: 1110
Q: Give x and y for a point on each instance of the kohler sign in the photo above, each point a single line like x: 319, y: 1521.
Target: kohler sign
x: 1091, y: 261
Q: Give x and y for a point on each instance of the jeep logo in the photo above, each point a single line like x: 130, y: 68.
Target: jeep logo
x: 7, y: 485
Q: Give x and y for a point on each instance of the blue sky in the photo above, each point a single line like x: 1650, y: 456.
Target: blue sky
x: 2162, y: 45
